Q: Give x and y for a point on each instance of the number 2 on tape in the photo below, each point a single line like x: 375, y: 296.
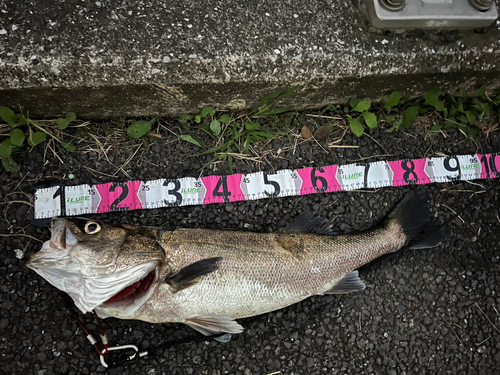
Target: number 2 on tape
x: 119, y: 196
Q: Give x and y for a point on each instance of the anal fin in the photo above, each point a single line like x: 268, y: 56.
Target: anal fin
x: 213, y: 325
x: 348, y: 284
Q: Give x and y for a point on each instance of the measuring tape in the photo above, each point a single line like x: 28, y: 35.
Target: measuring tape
x: 64, y: 200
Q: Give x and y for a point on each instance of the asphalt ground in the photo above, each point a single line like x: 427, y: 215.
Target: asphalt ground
x: 422, y: 312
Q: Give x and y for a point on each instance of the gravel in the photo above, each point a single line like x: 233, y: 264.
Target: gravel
x: 420, y: 313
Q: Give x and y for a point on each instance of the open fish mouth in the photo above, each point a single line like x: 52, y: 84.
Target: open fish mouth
x: 133, y: 294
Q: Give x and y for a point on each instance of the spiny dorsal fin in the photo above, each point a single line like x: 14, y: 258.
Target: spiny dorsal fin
x: 348, y: 284
x: 187, y: 276
x: 308, y: 222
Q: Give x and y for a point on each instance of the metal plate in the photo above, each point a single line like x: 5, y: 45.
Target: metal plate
x: 431, y: 14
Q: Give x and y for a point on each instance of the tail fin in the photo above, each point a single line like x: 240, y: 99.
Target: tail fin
x: 411, y: 213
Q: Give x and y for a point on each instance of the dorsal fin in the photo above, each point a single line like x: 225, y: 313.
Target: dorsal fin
x: 308, y: 222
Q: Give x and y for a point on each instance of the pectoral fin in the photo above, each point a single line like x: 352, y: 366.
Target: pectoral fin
x: 212, y: 325
x: 348, y: 284
x: 188, y: 275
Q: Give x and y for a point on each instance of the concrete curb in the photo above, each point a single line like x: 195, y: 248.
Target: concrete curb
x: 109, y: 59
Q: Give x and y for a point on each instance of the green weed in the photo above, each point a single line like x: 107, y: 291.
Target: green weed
x: 21, y: 130
x: 457, y: 112
x: 234, y: 134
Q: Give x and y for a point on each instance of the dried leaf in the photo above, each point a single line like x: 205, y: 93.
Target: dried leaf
x: 306, y: 132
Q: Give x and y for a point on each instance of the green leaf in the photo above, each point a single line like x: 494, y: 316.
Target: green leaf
x: 264, y: 134
x: 8, y: 115
x: 274, y: 97
x: 230, y: 162
x: 251, y: 126
x: 331, y: 108
x: 323, y: 132
x: 354, y: 102
x: 497, y: 99
x: 395, y: 126
x: 436, y: 128
x: 62, y: 123
x: 17, y: 137
x: 207, y: 111
x: 392, y: 100
x: 274, y: 112
x: 21, y: 119
x: 471, y: 117
x: 210, y: 150
x: 10, y: 165
x: 481, y: 92
x: 225, y: 118
x: 362, y: 106
x: 5, y: 148
x: 215, y: 127
x: 426, y: 109
x: 194, y: 141
x: 185, y: 119
x: 71, y: 116
x: 432, y: 98
x: 462, y: 93
x: 139, y: 129
x: 68, y: 146
x: 197, y: 119
x: 356, y: 127
x: 36, y: 138
x: 451, y: 124
x: 471, y: 131
x: 390, y: 119
x: 370, y: 120
x: 409, y: 115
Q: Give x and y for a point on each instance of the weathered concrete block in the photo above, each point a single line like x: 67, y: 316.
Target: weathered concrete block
x: 116, y: 58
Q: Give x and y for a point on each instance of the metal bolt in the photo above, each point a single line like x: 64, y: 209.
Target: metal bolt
x: 397, y: 5
x: 481, y: 5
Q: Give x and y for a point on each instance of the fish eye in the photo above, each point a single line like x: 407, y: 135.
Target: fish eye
x: 92, y: 227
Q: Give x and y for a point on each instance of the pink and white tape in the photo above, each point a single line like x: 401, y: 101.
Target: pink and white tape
x: 134, y: 195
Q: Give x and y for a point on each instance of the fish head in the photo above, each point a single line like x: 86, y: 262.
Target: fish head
x: 100, y: 265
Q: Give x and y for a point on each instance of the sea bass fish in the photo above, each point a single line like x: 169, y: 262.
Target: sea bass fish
x: 209, y: 278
